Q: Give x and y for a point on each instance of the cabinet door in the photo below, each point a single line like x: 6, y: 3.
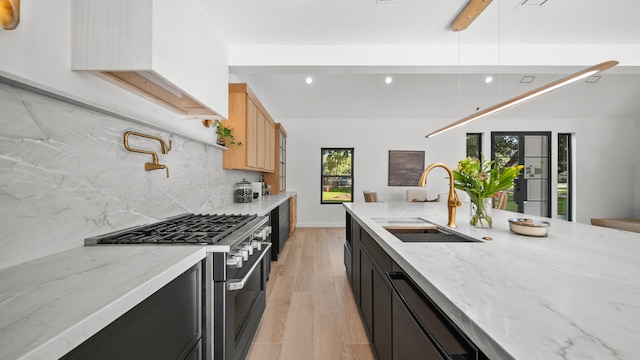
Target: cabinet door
x: 252, y: 134
x: 355, y: 261
x: 260, y: 141
x: 408, y: 337
x: 282, y: 161
x: 293, y: 213
x: 284, y: 225
x: 149, y: 330
x: 382, y: 335
x: 366, y: 292
x: 270, y: 150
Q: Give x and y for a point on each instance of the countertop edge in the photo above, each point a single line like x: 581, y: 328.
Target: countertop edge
x: 260, y: 207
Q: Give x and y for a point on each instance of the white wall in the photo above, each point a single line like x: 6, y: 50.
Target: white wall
x: 607, y: 178
x: 371, y: 140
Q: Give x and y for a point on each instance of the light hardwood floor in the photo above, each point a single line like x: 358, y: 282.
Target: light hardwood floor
x: 311, y: 312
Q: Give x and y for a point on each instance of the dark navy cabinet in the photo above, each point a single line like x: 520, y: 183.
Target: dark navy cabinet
x: 165, y: 326
x: 280, y: 226
x: 400, y: 319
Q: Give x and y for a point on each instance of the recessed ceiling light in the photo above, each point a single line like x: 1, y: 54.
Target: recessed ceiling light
x: 527, y: 79
x: 308, y: 80
x: 388, y: 80
x: 386, y: 1
x: 593, y: 79
x: 532, y: 3
x: 488, y: 79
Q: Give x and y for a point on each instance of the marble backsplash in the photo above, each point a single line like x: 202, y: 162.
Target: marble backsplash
x: 65, y: 175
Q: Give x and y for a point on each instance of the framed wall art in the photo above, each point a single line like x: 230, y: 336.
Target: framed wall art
x: 405, y: 167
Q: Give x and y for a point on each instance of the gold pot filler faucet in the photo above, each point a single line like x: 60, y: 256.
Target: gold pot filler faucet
x: 453, y: 201
x: 152, y: 165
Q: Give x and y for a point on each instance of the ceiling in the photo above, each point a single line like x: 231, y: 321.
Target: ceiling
x: 350, y: 46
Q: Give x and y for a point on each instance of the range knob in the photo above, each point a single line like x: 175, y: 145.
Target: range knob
x: 256, y: 245
x: 249, y: 249
x: 234, y: 261
x: 244, y: 253
x: 260, y: 235
x: 231, y: 261
x: 238, y: 260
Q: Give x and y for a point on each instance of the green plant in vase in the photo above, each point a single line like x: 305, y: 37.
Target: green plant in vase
x: 482, y: 180
x: 224, y: 133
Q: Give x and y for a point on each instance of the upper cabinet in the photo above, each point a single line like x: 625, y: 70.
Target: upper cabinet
x: 278, y: 179
x: 252, y: 125
x: 168, y: 51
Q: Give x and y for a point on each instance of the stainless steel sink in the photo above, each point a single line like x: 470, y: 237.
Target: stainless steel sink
x: 404, y: 223
x: 437, y: 236
x: 419, y: 230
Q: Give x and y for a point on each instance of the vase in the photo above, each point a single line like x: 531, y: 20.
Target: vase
x: 481, y: 213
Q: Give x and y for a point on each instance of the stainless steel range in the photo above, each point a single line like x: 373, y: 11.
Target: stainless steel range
x: 237, y: 268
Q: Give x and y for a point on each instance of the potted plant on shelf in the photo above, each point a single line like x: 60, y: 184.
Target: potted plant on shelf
x: 482, y: 180
x: 224, y: 133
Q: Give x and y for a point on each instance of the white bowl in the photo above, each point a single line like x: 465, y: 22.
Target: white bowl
x: 529, y: 227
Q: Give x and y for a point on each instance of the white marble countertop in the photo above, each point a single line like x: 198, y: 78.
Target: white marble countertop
x: 261, y: 207
x: 572, y: 295
x: 50, y: 305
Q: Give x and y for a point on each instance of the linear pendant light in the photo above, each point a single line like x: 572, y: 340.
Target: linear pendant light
x: 528, y: 95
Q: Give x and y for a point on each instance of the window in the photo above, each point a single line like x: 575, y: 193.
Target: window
x: 564, y: 177
x: 474, y: 145
x: 337, y: 175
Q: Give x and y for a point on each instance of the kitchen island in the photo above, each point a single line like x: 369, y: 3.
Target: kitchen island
x: 571, y: 295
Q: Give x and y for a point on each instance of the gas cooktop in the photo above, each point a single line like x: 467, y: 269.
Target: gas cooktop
x: 182, y: 229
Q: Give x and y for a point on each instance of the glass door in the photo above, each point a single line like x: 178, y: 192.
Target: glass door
x: 532, y: 192
x: 565, y: 178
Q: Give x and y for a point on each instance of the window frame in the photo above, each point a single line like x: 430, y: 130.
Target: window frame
x: 569, y: 197
x: 323, y: 176
x: 479, y: 139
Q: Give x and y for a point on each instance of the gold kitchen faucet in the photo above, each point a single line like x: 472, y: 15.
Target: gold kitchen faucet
x: 150, y: 165
x: 453, y: 201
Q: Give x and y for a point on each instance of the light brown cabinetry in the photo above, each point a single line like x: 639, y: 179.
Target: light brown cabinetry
x: 252, y: 125
x: 278, y: 179
x: 293, y: 213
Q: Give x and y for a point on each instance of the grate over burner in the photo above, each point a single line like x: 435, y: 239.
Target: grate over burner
x: 184, y: 229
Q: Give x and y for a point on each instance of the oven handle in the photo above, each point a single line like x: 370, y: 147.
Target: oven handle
x: 233, y: 285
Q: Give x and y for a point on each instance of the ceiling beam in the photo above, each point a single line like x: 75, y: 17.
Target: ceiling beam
x: 469, y: 14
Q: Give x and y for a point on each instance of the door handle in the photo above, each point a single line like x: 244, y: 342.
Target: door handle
x: 520, y: 193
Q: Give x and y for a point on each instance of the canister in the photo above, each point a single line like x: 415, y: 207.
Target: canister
x: 243, y: 192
